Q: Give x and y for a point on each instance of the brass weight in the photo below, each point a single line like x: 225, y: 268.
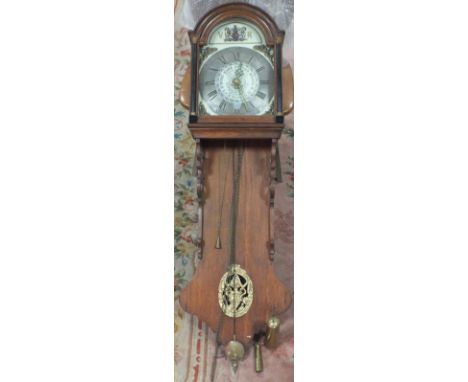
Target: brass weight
x: 272, y: 332
x: 258, y: 358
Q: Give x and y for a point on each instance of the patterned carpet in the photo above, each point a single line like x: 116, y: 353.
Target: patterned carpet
x: 194, y: 342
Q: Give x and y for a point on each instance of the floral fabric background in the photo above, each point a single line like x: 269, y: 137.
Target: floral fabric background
x: 194, y: 343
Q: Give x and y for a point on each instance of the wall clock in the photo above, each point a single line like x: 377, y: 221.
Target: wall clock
x: 237, y: 93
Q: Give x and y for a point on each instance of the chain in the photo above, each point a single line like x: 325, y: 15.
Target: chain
x: 221, y: 197
x: 236, y: 169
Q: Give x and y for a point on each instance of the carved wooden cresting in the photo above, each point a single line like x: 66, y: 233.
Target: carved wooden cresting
x: 234, y: 289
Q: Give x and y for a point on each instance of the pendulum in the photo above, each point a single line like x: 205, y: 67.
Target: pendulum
x: 235, y: 282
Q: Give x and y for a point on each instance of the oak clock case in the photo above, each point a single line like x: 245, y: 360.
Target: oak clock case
x: 234, y: 93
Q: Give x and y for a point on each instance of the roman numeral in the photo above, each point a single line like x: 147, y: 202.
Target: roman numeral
x: 213, y: 94
x: 260, y: 69
x: 222, y: 59
x: 236, y: 56
x: 250, y: 59
x: 222, y: 106
x: 261, y: 95
x: 209, y: 83
x: 263, y: 82
x: 214, y: 69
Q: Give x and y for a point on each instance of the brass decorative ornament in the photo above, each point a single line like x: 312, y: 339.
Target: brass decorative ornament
x: 235, y: 292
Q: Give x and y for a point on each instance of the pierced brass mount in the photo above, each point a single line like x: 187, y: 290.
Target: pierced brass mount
x: 235, y: 292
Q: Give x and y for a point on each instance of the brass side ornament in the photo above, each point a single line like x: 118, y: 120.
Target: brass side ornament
x: 205, y: 52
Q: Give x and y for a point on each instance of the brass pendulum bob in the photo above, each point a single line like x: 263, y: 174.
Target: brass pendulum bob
x: 235, y: 353
x: 272, y: 332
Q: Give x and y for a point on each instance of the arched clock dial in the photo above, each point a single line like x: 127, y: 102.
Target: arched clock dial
x: 236, y: 81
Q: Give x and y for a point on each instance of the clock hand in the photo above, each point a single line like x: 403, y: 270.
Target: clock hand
x: 244, y: 100
x: 239, y: 71
x: 237, y: 84
x: 240, y: 89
